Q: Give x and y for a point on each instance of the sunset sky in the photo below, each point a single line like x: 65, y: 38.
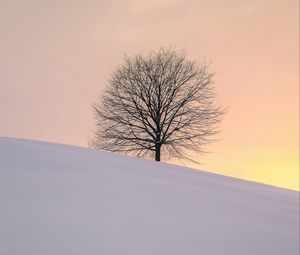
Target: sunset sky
x: 56, y: 57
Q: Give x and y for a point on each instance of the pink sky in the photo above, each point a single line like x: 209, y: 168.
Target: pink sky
x: 56, y: 56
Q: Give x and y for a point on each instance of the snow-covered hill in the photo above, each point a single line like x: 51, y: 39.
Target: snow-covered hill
x: 64, y: 200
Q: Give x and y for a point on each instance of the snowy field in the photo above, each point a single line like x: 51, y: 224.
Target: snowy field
x: 64, y: 200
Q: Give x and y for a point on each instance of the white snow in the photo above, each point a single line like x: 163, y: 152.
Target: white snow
x: 64, y: 200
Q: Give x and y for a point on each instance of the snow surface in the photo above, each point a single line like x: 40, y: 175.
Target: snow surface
x: 64, y: 200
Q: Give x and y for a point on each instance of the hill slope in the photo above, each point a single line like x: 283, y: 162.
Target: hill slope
x: 59, y: 199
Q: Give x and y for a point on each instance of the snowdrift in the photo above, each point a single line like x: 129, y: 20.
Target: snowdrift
x: 60, y: 199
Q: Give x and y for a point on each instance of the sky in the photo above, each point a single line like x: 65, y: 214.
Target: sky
x: 57, y: 55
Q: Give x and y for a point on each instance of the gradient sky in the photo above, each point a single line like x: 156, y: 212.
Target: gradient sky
x: 56, y: 56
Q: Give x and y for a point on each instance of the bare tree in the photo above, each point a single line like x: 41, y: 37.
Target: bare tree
x: 159, y: 104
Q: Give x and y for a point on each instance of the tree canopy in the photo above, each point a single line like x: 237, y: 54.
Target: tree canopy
x: 160, y: 105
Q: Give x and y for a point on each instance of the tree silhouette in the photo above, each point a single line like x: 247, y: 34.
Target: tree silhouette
x: 161, y: 104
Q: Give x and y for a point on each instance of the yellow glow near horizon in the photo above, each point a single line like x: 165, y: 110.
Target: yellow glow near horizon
x: 274, y: 168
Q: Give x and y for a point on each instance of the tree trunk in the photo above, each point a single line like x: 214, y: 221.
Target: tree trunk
x: 157, y: 152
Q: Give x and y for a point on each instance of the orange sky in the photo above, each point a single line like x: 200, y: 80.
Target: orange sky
x: 56, y: 56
